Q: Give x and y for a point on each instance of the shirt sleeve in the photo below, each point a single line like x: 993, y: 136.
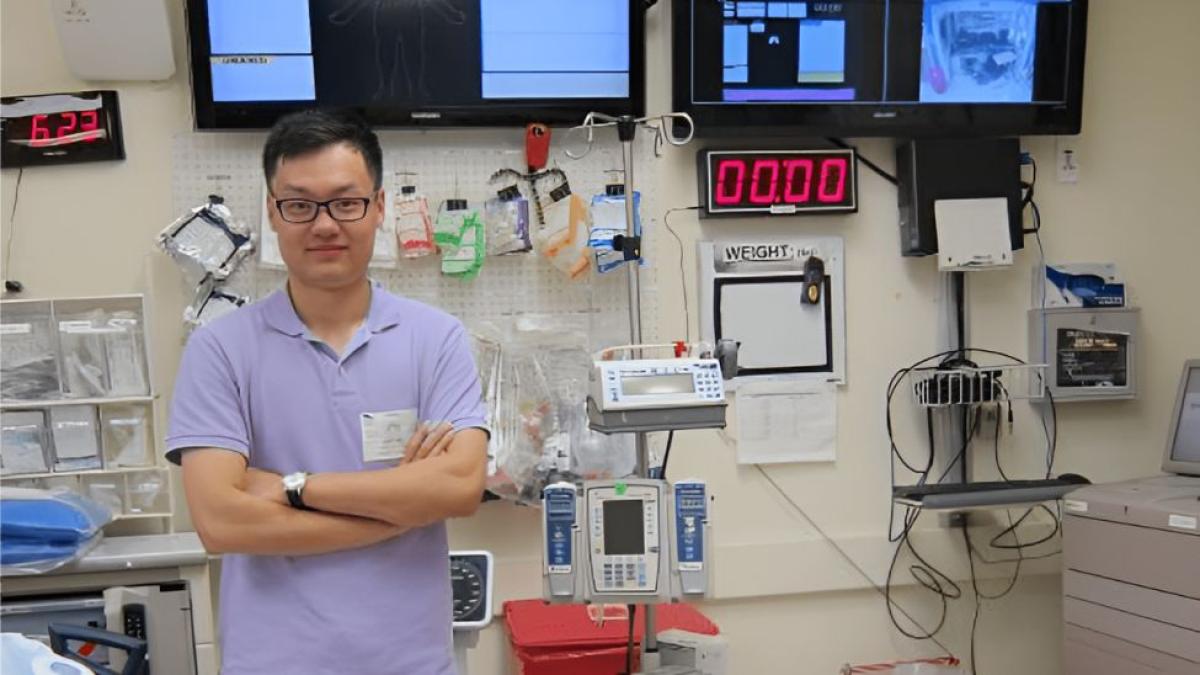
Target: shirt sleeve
x: 452, y: 392
x: 206, y: 410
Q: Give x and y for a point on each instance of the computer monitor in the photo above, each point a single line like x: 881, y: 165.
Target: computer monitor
x: 1183, y: 440
x: 899, y: 68
x: 416, y: 62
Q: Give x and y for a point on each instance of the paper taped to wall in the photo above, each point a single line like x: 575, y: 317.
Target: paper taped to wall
x: 786, y: 421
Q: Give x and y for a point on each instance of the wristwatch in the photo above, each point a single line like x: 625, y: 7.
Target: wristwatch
x: 293, y: 487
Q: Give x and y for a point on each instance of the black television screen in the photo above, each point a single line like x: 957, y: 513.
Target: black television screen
x: 881, y: 67
x: 416, y: 62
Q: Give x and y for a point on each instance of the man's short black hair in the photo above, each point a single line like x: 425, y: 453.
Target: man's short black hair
x: 300, y: 133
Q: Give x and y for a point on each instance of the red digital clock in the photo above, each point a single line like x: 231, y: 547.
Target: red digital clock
x: 45, y: 129
x: 777, y: 182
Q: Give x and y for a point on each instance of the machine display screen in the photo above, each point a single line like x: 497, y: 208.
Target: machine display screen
x: 464, y: 61
x: 1186, y: 447
x: 895, y: 51
x: 623, y: 530
x: 648, y: 385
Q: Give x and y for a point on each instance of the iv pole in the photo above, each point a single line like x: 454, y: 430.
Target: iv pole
x: 626, y: 132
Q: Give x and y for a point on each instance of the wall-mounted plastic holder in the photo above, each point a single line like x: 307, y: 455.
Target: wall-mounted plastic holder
x: 1090, y: 352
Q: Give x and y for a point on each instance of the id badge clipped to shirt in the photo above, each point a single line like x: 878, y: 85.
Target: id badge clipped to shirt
x: 384, y: 434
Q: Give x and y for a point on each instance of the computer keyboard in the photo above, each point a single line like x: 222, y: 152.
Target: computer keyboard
x: 984, y: 493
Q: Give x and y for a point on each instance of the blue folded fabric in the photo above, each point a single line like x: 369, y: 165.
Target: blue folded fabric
x: 26, y: 551
x: 50, y: 517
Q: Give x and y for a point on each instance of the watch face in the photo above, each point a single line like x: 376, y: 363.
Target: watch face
x: 293, y: 481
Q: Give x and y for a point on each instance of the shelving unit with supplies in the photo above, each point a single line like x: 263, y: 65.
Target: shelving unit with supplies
x: 77, y: 406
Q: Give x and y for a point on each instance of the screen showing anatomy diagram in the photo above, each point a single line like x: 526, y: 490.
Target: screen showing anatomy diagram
x: 417, y: 52
x: 880, y: 51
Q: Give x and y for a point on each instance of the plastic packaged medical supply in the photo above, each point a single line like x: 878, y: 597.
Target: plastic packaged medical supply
x: 450, y: 223
x: 105, y: 489
x: 76, y: 436
x: 126, y: 435
x: 207, y: 240
x: 535, y: 379
x: 123, y: 351
x: 28, y: 365
x: 211, y: 303
x: 24, y: 443
x: 42, y: 529
x: 608, y: 222
x: 147, y: 492
x: 84, y: 354
x: 564, y: 239
x: 466, y: 260
x: 506, y: 221
x: 414, y: 228
x: 20, y: 655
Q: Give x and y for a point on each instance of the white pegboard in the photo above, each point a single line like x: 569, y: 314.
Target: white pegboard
x: 447, y: 166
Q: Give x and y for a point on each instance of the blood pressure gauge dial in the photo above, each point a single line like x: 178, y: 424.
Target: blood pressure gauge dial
x: 467, y: 581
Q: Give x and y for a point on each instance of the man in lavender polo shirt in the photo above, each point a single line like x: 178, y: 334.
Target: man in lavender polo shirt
x: 291, y: 419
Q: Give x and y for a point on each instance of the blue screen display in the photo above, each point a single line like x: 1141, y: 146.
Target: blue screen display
x: 418, y: 52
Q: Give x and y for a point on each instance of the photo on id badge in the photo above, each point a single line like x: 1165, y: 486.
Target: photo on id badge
x: 385, y: 433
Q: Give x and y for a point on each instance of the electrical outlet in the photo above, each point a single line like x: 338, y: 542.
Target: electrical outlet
x: 1066, y: 160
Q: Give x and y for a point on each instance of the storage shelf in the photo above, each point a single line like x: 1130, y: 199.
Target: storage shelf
x: 53, y: 403
x: 85, y: 472
x: 140, y: 516
x: 998, y: 498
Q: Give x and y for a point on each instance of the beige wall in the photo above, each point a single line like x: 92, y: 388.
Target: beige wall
x: 787, y: 602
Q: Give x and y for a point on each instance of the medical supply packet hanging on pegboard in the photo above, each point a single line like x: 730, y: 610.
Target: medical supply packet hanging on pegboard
x: 447, y: 166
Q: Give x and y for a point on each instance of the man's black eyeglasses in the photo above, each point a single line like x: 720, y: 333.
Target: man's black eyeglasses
x: 342, y: 209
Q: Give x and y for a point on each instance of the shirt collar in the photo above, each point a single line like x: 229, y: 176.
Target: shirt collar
x: 383, y: 313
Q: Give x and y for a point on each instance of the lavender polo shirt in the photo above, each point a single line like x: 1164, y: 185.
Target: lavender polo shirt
x: 257, y: 383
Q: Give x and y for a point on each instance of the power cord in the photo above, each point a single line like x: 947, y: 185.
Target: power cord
x: 867, y: 577
x: 629, y: 645
x: 12, y: 285
x: 926, y: 575
x: 841, y: 143
x: 687, y: 313
x: 662, y: 472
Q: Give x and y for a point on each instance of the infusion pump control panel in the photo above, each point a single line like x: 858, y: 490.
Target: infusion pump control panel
x: 625, y: 541
x: 657, y: 383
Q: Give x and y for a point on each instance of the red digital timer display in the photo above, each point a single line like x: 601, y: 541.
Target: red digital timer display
x: 778, y: 182
x: 62, y: 128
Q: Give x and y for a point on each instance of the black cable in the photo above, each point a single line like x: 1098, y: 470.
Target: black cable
x: 12, y: 228
x: 925, y: 574
x: 687, y: 313
x: 662, y: 473
x: 879, y: 589
x: 868, y: 163
x: 629, y: 645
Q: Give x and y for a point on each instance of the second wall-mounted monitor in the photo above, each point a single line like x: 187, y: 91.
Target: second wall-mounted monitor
x: 416, y: 62
x: 913, y: 68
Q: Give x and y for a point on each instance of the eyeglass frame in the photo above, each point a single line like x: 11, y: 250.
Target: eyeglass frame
x: 365, y: 201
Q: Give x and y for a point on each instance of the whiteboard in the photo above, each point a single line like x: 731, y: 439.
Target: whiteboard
x: 775, y: 327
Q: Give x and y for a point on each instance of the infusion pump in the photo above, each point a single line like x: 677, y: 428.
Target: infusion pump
x: 657, y: 383
x: 626, y: 541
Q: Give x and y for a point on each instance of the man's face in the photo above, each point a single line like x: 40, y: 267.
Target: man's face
x: 326, y: 253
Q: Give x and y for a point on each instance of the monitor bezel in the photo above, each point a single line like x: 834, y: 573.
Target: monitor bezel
x: 210, y: 115
x: 1170, y: 464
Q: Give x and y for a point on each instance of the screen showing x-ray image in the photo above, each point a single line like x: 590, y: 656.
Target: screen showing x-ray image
x: 417, y: 52
x: 973, y: 52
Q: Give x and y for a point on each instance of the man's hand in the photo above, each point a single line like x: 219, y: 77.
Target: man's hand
x: 265, y: 485
x: 428, y: 440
